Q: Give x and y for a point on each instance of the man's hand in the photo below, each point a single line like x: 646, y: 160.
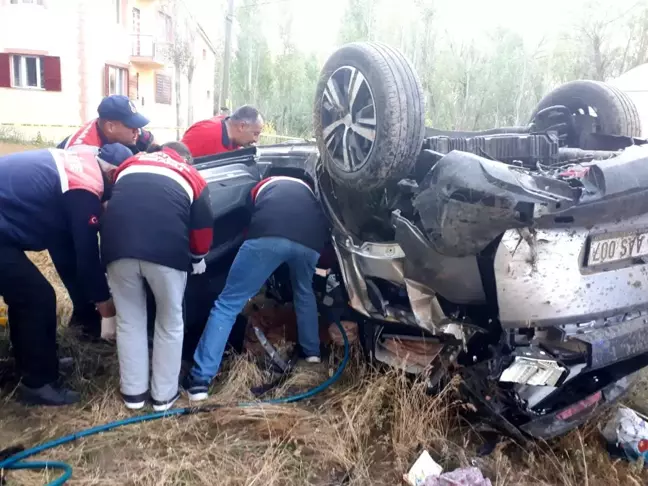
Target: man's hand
x: 199, y: 267
x: 109, y: 328
x: 107, y: 308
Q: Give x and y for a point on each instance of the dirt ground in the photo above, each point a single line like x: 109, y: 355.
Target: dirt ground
x: 9, y: 148
x: 366, y: 430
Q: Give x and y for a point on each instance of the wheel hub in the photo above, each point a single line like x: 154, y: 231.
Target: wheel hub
x: 348, y: 119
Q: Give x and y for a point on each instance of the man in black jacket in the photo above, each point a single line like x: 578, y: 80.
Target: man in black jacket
x: 287, y: 226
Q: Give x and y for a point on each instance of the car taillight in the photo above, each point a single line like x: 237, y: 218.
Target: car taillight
x: 580, y: 406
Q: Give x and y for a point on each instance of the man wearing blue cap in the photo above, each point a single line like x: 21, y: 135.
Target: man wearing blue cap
x: 118, y: 122
x: 51, y: 199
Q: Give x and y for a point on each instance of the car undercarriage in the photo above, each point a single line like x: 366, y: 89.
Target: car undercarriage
x: 515, y: 257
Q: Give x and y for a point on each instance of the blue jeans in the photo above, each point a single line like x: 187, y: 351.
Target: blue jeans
x: 255, y: 261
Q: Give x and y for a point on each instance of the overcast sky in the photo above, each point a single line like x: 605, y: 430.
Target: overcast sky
x: 316, y: 22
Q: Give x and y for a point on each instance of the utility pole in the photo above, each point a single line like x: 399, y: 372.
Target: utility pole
x: 227, y: 56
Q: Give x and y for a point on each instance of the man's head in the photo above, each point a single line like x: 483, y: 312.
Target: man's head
x: 224, y: 110
x: 245, y: 125
x: 178, y: 147
x: 119, y: 120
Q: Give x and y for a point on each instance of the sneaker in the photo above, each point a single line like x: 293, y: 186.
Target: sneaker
x: 49, y: 395
x: 135, y: 402
x: 163, y: 406
x: 196, y: 390
x: 313, y: 359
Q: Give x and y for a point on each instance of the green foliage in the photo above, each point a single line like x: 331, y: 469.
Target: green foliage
x: 471, y: 82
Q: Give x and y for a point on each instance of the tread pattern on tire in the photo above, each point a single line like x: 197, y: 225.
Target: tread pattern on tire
x: 618, y: 113
x: 400, y: 113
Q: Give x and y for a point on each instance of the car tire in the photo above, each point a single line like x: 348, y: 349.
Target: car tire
x: 369, y: 115
x: 616, y: 112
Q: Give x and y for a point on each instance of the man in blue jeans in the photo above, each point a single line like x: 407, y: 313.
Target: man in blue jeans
x: 287, y: 226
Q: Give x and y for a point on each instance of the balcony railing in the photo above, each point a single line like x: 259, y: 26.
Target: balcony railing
x: 148, y: 49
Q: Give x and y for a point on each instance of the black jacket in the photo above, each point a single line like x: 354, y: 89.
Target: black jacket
x: 159, y: 212
x: 286, y: 207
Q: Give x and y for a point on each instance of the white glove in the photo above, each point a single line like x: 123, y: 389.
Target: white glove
x: 109, y: 328
x: 199, y: 267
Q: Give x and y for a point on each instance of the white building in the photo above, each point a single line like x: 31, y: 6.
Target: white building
x: 59, y: 58
x: 635, y: 84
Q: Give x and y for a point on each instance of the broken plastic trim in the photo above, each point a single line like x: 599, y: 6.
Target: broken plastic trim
x: 533, y: 371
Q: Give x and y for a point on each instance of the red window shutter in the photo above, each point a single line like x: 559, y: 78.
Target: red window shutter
x: 5, y: 70
x: 52, y: 69
x: 106, y: 80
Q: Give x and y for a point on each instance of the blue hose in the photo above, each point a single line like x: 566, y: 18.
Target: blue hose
x: 14, y: 462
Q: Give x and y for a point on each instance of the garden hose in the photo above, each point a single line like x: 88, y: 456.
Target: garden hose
x: 16, y: 461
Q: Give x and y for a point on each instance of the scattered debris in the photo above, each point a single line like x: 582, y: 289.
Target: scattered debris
x: 627, y: 434
x: 426, y: 472
x: 466, y: 476
x: 350, y: 328
x: 423, y: 468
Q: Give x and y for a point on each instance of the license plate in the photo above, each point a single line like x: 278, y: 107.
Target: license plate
x: 610, y: 249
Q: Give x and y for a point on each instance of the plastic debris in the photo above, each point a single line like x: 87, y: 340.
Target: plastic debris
x: 423, y: 468
x: 628, y: 432
x: 467, y: 476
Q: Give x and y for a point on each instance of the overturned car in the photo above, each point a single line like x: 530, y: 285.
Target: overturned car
x: 516, y: 255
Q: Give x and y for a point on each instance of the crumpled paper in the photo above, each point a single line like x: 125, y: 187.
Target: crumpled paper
x: 467, y: 476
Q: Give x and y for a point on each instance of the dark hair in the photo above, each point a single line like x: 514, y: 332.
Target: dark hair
x: 246, y: 113
x: 178, y: 147
x: 224, y: 108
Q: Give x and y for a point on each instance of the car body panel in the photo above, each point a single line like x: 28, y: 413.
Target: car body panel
x: 542, y: 279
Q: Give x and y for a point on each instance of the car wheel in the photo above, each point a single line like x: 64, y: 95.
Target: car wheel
x: 593, y: 106
x: 369, y: 115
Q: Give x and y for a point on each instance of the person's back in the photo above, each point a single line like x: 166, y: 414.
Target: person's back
x: 287, y: 226
x: 149, y: 214
x: 157, y: 224
x: 286, y: 207
x: 32, y: 185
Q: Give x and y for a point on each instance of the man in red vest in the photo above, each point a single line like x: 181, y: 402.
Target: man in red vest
x: 118, y: 122
x: 224, y: 133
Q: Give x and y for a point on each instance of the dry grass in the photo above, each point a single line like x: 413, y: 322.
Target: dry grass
x: 366, y: 430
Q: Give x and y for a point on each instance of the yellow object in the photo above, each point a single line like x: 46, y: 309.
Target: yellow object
x: 3, y: 315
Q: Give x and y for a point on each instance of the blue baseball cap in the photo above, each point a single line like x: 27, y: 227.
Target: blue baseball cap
x: 120, y: 108
x: 114, y: 153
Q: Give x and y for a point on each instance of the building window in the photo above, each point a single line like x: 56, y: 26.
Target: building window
x: 165, y: 27
x: 28, y: 72
x: 37, y: 2
x: 163, y: 89
x: 116, y: 81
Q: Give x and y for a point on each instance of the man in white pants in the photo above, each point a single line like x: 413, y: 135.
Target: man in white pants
x: 158, y: 238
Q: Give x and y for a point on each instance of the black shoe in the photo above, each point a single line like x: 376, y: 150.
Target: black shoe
x: 196, y: 390
x: 135, y: 402
x: 164, y: 405
x: 47, y: 395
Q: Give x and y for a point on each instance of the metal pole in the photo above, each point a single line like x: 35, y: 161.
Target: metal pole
x: 227, y: 56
